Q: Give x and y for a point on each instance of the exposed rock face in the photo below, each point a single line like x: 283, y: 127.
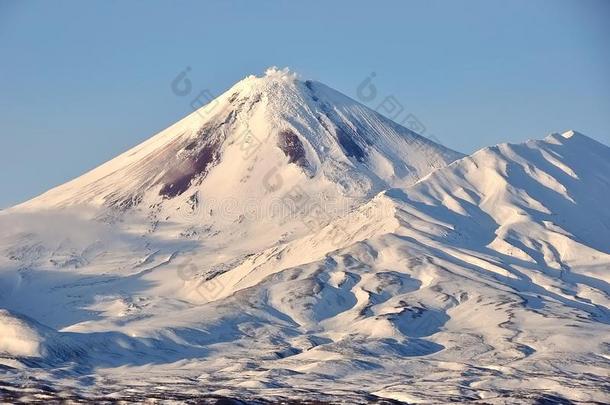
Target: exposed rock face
x: 292, y: 147
x: 190, y: 170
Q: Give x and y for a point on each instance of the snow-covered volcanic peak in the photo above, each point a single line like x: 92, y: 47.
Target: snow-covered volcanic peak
x: 449, y: 278
x: 261, y: 132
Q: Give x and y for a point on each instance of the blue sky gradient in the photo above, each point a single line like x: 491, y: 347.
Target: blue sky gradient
x: 81, y: 82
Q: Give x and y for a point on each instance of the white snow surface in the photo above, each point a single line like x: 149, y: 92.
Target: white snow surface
x: 394, y: 269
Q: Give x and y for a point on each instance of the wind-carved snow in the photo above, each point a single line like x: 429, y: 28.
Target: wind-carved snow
x: 287, y: 242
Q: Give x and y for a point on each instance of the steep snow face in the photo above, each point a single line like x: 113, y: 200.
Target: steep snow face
x: 260, y: 137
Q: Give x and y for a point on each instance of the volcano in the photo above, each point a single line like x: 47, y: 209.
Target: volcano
x: 274, y: 126
x: 286, y: 243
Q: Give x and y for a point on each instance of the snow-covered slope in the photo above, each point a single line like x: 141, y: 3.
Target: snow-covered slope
x: 259, y: 163
x: 486, y: 280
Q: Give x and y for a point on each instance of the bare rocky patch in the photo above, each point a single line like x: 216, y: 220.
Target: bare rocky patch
x: 293, y: 148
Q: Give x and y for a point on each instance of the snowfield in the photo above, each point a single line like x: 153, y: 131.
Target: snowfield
x: 285, y: 242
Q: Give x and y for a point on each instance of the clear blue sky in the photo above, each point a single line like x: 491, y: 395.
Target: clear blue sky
x: 81, y: 82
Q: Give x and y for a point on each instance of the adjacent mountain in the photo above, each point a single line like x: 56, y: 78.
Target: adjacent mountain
x: 286, y: 242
